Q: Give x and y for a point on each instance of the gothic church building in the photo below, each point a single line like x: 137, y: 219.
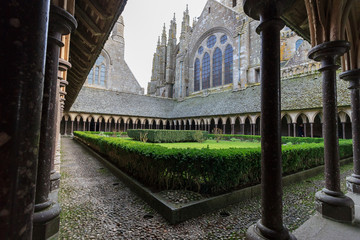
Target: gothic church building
x: 207, y: 78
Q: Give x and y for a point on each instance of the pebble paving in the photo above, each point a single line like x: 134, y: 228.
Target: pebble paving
x: 96, y: 205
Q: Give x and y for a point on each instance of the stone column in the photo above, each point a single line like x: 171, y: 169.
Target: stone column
x: 47, y: 210
x: 353, y: 76
x: 106, y: 124
x: 24, y: 28
x: 242, y: 126
x: 343, y: 130
x: 305, y: 135
x: 271, y: 224
x: 84, y: 126
x: 72, y: 128
x: 331, y: 202
x: 294, y: 130
x: 223, y: 128
x: 89, y: 126
x: 157, y: 126
x: 312, y: 130
x: 65, y: 125
x: 232, y: 128
x: 289, y: 129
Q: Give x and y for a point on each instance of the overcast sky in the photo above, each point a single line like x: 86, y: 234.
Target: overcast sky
x: 144, y: 21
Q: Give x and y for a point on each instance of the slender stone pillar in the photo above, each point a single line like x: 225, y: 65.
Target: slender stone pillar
x: 305, y: 135
x: 271, y: 224
x: 232, y: 128
x: 242, y: 129
x: 331, y: 202
x: 84, y: 126
x: 343, y: 130
x: 65, y: 131
x: 312, y: 130
x: 46, y: 215
x: 294, y: 129
x: 24, y: 27
x: 89, y: 126
x: 289, y: 129
x: 353, y: 76
x: 72, y: 128
x: 224, y: 128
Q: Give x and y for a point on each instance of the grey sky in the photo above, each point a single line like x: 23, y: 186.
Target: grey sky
x: 144, y: 21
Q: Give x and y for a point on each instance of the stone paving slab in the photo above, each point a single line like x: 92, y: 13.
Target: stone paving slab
x: 319, y: 228
x: 96, y: 205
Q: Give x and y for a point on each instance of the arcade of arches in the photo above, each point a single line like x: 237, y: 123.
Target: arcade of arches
x: 292, y: 123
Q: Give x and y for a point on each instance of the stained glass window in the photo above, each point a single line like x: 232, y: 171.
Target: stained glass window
x: 96, y: 75
x: 206, y: 71
x: 228, y: 64
x: 201, y: 50
x: 102, y: 75
x: 217, y: 68
x: 197, y: 75
x: 211, y: 41
x: 223, y: 39
x: 298, y: 44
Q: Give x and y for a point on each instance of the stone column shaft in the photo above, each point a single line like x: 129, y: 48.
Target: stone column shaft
x: 331, y: 202
x: 353, y: 76
x: 294, y: 130
x: 24, y: 26
x: 232, y: 128
x: 312, y: 130
x: 271, y: 224
x: 46, y: 214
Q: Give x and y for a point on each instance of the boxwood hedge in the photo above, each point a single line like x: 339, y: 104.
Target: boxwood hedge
x: 256, y: 138
x: 210, y: 171
x: 166, y: 136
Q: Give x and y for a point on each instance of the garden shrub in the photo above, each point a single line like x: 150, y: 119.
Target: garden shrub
x: 210, y: 171
x: 166, y: 136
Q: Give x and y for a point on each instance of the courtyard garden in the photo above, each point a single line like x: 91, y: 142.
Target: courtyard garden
x: 209, y: 164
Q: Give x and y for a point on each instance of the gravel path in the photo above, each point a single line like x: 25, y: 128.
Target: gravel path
x: 95, y: 205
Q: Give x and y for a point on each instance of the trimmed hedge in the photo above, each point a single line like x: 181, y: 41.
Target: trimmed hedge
x: 257, y: 138
x: 209, y: 171
x: 166, y: 136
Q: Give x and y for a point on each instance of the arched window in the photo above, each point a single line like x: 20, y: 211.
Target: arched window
x: 217, y: 68
x: 97, y: 74
x: 298, y: 44
x: 197, y: 75
x: 206, y: 71
x: 91, y: 77
x: 228, y: 64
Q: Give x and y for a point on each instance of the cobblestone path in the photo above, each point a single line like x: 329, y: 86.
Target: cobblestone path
x: 96, y: 205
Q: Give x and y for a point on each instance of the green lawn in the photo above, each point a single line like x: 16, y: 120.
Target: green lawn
x: 212, y: 144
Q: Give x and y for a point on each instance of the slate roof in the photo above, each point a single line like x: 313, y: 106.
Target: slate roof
x: 297, y: 93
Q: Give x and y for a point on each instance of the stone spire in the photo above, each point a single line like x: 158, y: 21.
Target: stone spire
x: 163, y: 36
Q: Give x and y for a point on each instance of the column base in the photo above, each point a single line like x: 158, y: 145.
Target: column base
x: 353, y: 183
x: 47, y: 223
x: 54, y: 180
x: 335, y: 206
x: 260, y: 232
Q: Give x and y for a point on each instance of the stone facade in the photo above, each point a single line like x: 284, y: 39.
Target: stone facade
x: 110, y: 70
x: 174, y: 72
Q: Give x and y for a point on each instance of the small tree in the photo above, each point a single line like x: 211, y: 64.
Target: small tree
x: 143, y: 137
x: 199, y: 136
x: 218, y: 134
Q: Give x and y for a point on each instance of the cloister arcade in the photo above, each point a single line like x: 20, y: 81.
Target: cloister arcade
x: 248, y: 124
